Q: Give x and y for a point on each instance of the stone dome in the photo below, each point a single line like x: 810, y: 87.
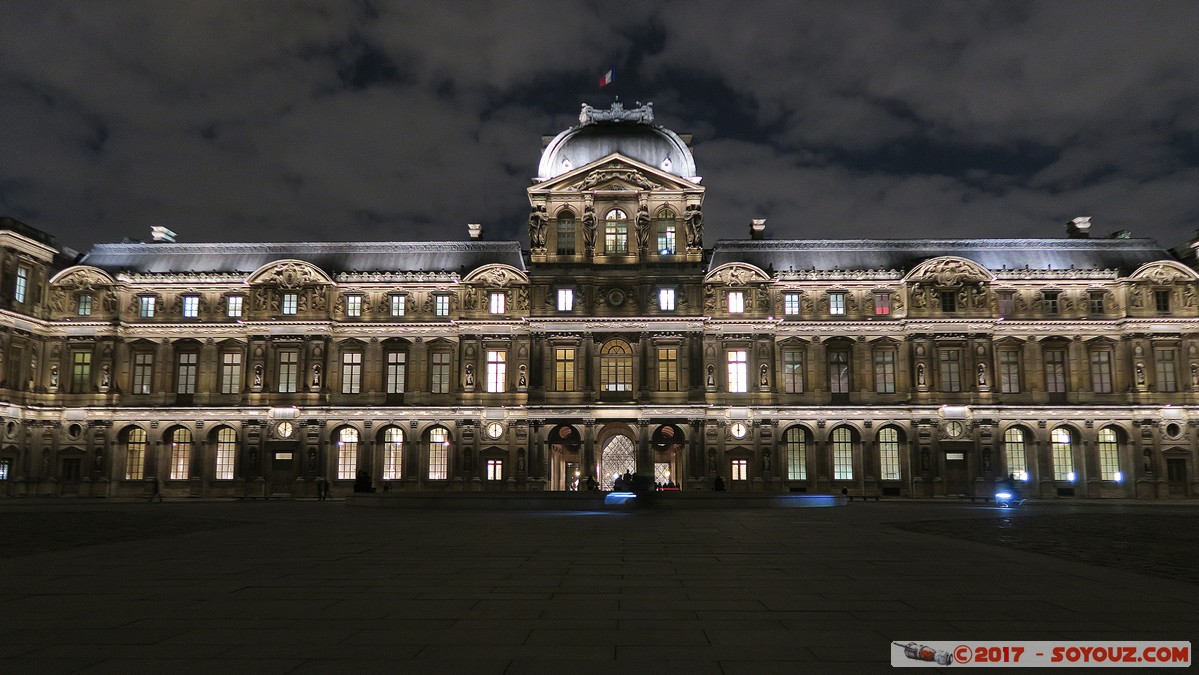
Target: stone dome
x: 630, y: 132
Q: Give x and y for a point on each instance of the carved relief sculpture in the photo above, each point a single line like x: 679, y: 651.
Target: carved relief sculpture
x: 589, y: 228
x: 538, y: 224
x: 643, y: 228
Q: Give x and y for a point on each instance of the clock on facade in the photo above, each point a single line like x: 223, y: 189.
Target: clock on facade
x: 494, y: 430
x: 738, y: 429
x: 284, y: 429
x: 955, y: 429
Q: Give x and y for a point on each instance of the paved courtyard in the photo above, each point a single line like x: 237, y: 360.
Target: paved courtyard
x: 317, y: 587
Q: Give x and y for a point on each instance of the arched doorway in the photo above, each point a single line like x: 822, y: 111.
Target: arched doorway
x: 619, y: 455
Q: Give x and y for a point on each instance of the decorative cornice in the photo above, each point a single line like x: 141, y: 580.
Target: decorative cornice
x: 397, y: 277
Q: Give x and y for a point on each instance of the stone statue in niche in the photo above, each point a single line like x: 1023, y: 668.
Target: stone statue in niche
x: 711, y: 460
x: 1140, y: 368
x: 520, y: 461
x: 764, y: 380
x: 522, y: 381
x: 470, y: 375
x: 982, y: 374
x: 766, y: 459
x: 316, y: 375
x: 1195, y: 374
x: 105, y: 375
x: 53, y: 376
x: 920, y: 382
x: 258, y: 375
x: 711, y: 375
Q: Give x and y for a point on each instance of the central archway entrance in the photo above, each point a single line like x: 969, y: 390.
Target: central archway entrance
x: 618, y: 456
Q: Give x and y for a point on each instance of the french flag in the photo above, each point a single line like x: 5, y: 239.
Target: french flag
x: 607, y: 78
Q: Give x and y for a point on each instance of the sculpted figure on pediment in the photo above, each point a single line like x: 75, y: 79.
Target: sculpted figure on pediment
x: 709, y: 298
x: 58, y: 300
x: 319, y: 301
x: 1136, y: 297
x: 919, y: 297
x: 1161, y: 274
x: 978, y: 296
x: 292, y: 275
x: 897, y: 303
x: 598, y: 178
x: 522, y: 298
x: 470, y: 299
x: 950, y: 271
x: 110, y: 301
x: 1188, y: 295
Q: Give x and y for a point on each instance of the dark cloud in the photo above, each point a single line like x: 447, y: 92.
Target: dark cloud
x: 330, y: 120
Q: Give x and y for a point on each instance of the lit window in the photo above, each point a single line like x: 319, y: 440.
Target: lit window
x: 736, y: 302
x: 191, y: 306
x: 497, y: 370
x: 495, y: 469
x: 882, y: 304
x: 351, y: 372
x: 347, y: 453
x: 81, y: 371
x: 616, y: 233
x: 397, y: 364
x: 439, y: 375
x: 393, y: 454
x: 668, y: 369
x: 181, y: 454
x: 230, y: 372
x: 22, y: 284
x: 441, y: 305
x: 135, y: 454
x: 233, y: 308
x: 186, y: 382
x: 353, y: 306
x: 439, y: 453
x: 1013, y: 447
x: 85, y: 305
x: 738, y: 371
x: 792, y: 371
x: 836, y: 304
x: 666, y: 299
x: 397, y: 305
x: 1101, y: 371
x: 666, y: 232
x: 566, y: 299
x: 842, y: 454
x: 291, y: 302
x: 226, y: 453
x: 499, y: 303
x: 145, y: 306
x: 1109, y: 454
x: 796, y: 440
x: 143, y: 372
x: 564, y: 369
x: 739, y: 469
x: 791, y: 304
x: 616, y: 366
x: 1063, y: 457
x: 888, y: 453
x: 289, y: 364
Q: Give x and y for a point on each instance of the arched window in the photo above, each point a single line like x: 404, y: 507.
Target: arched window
x: 566, y: 232
x: 439, y: 453
x: 181, y: 454
x: 888, y: 453
x: 1014, y: 454
x: 616, y: 366
x: 393, y: 453
x: 1063, y: 456
x: 666, y: 232
x: 796, y: 441
x: 226, y: 453
x: 1109, y: 454
x: 616, y: 233
x: 135, y: 454
x: 347, y: 453
x: 842, y: 453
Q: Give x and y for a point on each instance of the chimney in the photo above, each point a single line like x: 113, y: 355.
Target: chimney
x: 162, y: 235
x: 476, y: 230
x: 1079, y: 228
x: 757, y: 228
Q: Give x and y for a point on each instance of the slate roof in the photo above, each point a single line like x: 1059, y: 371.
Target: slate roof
x: 1125, y: 255
x: 332, y: 257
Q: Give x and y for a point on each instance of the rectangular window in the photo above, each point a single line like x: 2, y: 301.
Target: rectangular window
x: 1164, y: 361
x: 351, y: 373
x: 1009, y: 371
x: 135, y: 454
x: 145, y: 306
x: 186, y: 382
x: 495, y: 469
x: 797, y: 454
x: 566, y: 299
x: 439, y: 454
x: 1161, y: 301
x: 1101, y: 372
x: 566, y: 236
x: 85, y: 305
x: 838, y: 372
x: 226, y: 453
x: 1051, y: 302
x: 739, y: 469
x: 951, y: 370
x: 353, y: 306
x: 564, y: 369
x: 289, y: 368
x: 191, y: 306
x: 397, y: 364
x: 441, y: 305
x: 888, y: 455
x: 397, y: 305
x: 949, y: 301
x: 836, y: 304
x: 668, y: 369
x: 884, y: 371
x: 497, y: 371
x: 233, y: 306
x: 1006, y: 303
x: 882, y: 304
x: 616, y: 238
x: 439, y: 374
x: 22, y: 285
x: 230, y: 372
x: 666, y: 239
x: 1055, y: 371
x: 498, y: 302
x: 842, y: 454
x: 81, y: 371
x: 791, y: 304
x: 291, y: 303
x: 792, y: 371
x: 738, y: 371
x: 1013, y: 443
x: 1095, y: 302
x: 1109, y: 455
x: 143, y: 372
x: 666, y: 299
x: 736, y: 302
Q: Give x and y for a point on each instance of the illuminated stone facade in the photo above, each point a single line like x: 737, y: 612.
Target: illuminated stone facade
x: 616, y: 340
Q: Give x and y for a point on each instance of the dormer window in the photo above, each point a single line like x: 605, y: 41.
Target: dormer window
x: 498, y: 302
x: 397, y: 305
x: 234, y: 306
x: 22, y: 285
x: 616, y: 232
x: 949, y: 302
x: 566, y: 299
x: 354, y: 306
x: 736, y: 302
x: 666, y: 299
x: 1051, y: 304
x: 85, y: 305
x: 191, y: 306
x: 836, y: 303
x: 291, y: 303
x: 145, y: 307
x: 1161, y: 301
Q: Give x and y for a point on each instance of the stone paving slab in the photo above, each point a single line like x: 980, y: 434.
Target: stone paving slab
x: 311, y: 587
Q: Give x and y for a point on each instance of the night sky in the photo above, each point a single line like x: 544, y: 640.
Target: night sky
x: 336, y: 121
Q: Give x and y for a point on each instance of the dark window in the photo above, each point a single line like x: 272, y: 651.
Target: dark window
x: 1096, y: 302
x: 1161, y: 301
x: 949, y: 301
x: 566, y: 233
x: 1051, y: 306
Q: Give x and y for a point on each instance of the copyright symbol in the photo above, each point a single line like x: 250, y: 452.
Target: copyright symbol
x: 961, y: 654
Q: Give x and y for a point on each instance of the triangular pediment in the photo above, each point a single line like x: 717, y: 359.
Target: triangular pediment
x: 616, y: 172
